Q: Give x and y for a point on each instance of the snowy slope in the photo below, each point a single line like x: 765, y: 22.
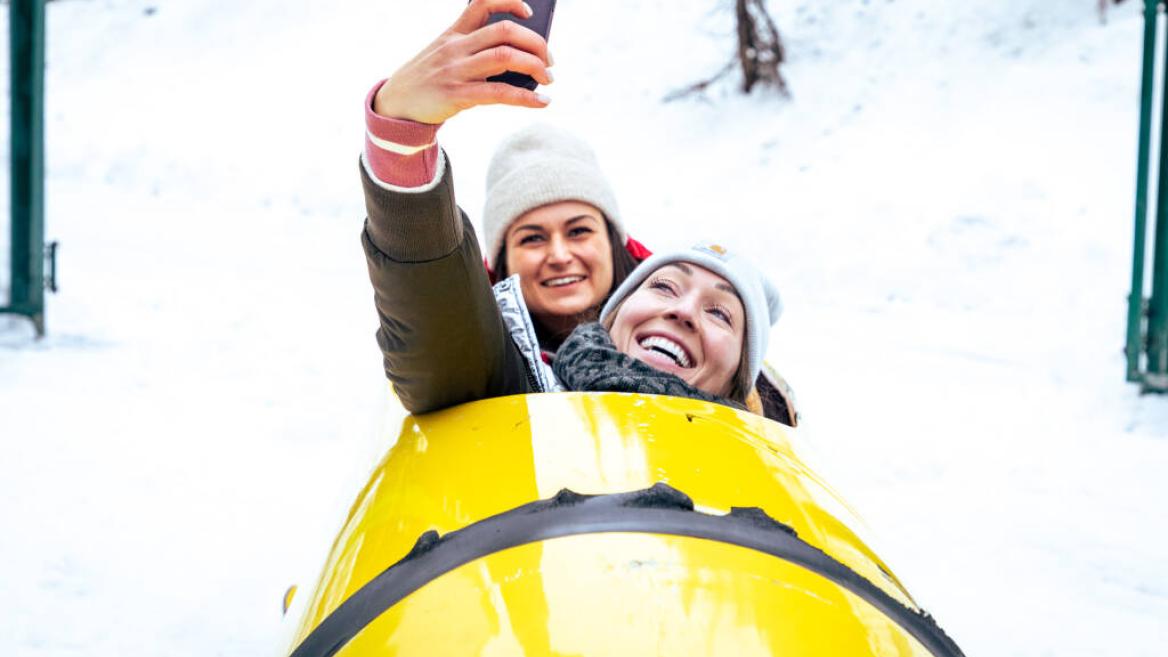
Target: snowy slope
x: 945, y: 203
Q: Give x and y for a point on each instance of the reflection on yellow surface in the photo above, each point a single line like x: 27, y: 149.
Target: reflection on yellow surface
x: 450, y: 469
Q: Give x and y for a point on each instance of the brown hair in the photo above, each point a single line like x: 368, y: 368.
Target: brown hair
x: 740, y: 383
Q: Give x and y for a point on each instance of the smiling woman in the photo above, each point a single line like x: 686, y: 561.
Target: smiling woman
x: 555, y: 243
x: 552, y: 219
x: 562, y: 255
x: 688, y: 321
x: 540, y: 177
x: 692, y: 323
x: 556, y: 249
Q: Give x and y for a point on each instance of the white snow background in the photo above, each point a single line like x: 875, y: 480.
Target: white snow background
x: 945, y: 202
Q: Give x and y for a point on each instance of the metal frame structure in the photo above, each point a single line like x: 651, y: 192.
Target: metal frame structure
x: 1147, y: 321
x: 26, y: 27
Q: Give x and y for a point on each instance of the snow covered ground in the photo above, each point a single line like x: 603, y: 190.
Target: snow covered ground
x: 945, y: 202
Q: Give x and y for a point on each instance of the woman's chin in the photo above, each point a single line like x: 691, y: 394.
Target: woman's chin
x: 570, y: 307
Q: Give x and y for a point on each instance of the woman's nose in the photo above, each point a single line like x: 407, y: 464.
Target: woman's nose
x: 682, y: 312
x: 558, y: 250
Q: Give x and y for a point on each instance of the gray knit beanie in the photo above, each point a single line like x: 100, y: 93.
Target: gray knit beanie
x: 534, y: 167
x: 759, y: 296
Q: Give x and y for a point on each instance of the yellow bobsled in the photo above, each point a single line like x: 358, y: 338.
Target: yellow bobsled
x: 603, y: 524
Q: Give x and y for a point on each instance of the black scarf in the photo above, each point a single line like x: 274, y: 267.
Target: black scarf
x: 588, y: 360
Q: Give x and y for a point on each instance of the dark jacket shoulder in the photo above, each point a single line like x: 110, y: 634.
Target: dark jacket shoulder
x: 442, y: 339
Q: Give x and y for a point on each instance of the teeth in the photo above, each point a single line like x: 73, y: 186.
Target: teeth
x: 668, y: 347
x: 566, y: 280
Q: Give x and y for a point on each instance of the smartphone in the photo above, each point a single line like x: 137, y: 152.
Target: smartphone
x: 540, y: 23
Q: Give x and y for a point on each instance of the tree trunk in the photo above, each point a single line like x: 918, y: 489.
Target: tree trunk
x: 760, y: 50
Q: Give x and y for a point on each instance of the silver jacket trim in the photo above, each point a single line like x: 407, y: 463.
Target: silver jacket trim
x: 517, y: 320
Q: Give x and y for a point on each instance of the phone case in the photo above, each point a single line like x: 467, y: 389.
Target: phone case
x: 540, y: 22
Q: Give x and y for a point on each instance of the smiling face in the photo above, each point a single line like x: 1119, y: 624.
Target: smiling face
x: 685, y: 320
x: 563, y: 257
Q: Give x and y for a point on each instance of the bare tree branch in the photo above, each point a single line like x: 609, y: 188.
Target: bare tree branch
x: 759, y: 54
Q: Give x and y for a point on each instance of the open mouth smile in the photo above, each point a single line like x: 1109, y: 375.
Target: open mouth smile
x: 562, y: 281
x: 668, y: 348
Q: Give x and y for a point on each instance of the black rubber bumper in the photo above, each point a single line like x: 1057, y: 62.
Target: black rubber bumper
x: 657, y: 510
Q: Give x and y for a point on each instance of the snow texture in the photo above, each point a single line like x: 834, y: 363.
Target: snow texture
x: 945, y: 203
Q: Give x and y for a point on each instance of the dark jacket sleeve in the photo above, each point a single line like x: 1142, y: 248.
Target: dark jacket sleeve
x: 441, y: 335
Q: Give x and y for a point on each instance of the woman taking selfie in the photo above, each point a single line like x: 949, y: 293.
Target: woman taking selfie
x: 550, y: 218
x: 691, y: 323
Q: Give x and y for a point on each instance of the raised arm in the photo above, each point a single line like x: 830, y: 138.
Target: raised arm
x: 441, y: 336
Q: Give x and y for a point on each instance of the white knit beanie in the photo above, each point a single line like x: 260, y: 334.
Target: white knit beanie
x: 759, y: 297
x: 537, y: 166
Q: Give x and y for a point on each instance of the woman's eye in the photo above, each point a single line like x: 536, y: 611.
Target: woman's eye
x: 579, y: 231
x: 531, y: 239
x: 662, y: 285
x: 721, y: 314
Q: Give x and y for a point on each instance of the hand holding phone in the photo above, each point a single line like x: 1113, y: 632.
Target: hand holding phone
x: 449, y: 76
x: 539, y: 22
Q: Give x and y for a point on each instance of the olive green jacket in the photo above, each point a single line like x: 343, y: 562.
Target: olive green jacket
x: 441, y: 335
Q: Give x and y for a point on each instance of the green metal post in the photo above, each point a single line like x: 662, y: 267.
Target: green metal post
x: 1157, y: 364
x: 1135, y: 302
x: 26, y: 25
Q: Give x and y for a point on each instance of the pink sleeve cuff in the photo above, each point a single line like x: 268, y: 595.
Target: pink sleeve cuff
x: 399, y: 152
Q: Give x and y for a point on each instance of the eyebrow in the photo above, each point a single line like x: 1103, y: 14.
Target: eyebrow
x: 689, y: 272
x: 540, y: 229
x: 581, y: 217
